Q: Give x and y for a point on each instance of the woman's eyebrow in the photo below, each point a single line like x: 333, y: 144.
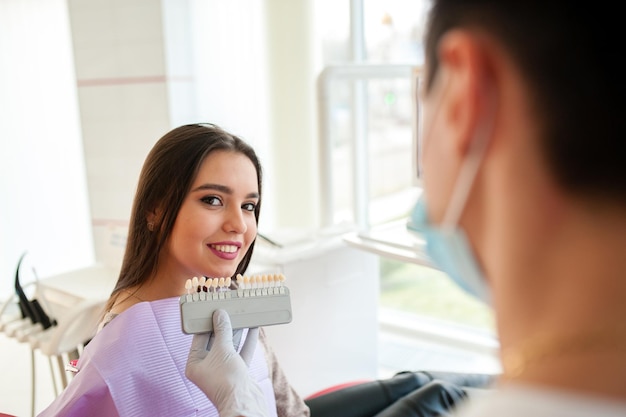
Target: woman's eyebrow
x: 223, y: 189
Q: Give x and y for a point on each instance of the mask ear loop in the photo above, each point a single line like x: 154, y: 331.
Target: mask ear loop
x: 471, y: 164
x: 420, y: 121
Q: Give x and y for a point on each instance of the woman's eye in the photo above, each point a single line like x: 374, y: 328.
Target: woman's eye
x: 249, y: 206
x: 211, y: 200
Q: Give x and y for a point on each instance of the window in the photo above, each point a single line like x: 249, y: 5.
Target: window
x: 371, y: 106
x: 426, y: 291
x: 379, y: 120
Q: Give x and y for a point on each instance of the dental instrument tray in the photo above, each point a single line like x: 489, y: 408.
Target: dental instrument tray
x: 260, y: 300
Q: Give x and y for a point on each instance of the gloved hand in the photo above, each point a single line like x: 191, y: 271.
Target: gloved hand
x: 222, y: 374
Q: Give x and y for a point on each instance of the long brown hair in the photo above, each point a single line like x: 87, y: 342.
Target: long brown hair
x: 166, y: 177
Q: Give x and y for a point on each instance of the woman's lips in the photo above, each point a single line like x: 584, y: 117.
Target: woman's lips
x: 225, y: 250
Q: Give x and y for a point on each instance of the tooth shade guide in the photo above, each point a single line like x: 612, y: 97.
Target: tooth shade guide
x: 259, y: 300
x: 247, y: 285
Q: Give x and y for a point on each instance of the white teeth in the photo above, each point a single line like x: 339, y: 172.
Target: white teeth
x: 225, y: 248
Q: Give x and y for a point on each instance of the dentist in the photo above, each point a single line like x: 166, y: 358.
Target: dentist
x: 523, y: 155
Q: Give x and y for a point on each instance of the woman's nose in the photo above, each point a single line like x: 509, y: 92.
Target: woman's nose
x: 234, y: 221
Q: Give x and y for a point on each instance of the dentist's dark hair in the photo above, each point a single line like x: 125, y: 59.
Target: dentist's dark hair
x: 165, y: 180
x: 569, y: 54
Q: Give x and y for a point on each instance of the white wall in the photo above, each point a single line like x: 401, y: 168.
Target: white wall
x: 43, y: 193
x: 230, y: 72
x: 122, y: 81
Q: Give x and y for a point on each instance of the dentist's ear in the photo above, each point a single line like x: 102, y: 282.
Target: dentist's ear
x: 460, y: 124
x: 466, y: 59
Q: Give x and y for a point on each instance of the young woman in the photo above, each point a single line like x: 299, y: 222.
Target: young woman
x: 195, y: 213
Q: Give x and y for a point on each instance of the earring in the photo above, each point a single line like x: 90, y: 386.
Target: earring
x: 150, y: 226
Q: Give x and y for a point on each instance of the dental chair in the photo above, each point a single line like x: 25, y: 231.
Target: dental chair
x: 406, y: 394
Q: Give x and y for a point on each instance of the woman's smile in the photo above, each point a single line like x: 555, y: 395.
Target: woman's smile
x: 225, y: 250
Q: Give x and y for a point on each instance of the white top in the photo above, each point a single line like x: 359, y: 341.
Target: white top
x: 521, y: 401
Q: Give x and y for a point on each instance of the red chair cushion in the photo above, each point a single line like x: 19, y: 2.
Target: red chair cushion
x: 336, y: 388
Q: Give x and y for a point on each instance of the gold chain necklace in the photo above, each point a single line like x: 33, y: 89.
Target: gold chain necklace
x: 536, y: 349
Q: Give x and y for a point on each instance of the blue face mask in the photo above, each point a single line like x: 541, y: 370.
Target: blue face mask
x: 449, y: 249
x: 447, y: 244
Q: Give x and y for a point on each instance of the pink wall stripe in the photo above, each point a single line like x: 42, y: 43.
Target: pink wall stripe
x: 109, y: 222
x: 150, y: 79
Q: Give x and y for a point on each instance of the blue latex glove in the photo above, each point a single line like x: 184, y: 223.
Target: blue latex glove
x: 222, y: 374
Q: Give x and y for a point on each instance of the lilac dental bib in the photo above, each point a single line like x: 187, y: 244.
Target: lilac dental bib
x: 135, y: 366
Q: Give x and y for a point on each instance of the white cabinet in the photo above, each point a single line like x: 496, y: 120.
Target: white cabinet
x: 333, y: 337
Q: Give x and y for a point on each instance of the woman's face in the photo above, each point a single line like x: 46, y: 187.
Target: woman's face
x: 215, y: 225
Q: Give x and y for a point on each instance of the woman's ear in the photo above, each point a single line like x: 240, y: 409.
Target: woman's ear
x: 153, y: 218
